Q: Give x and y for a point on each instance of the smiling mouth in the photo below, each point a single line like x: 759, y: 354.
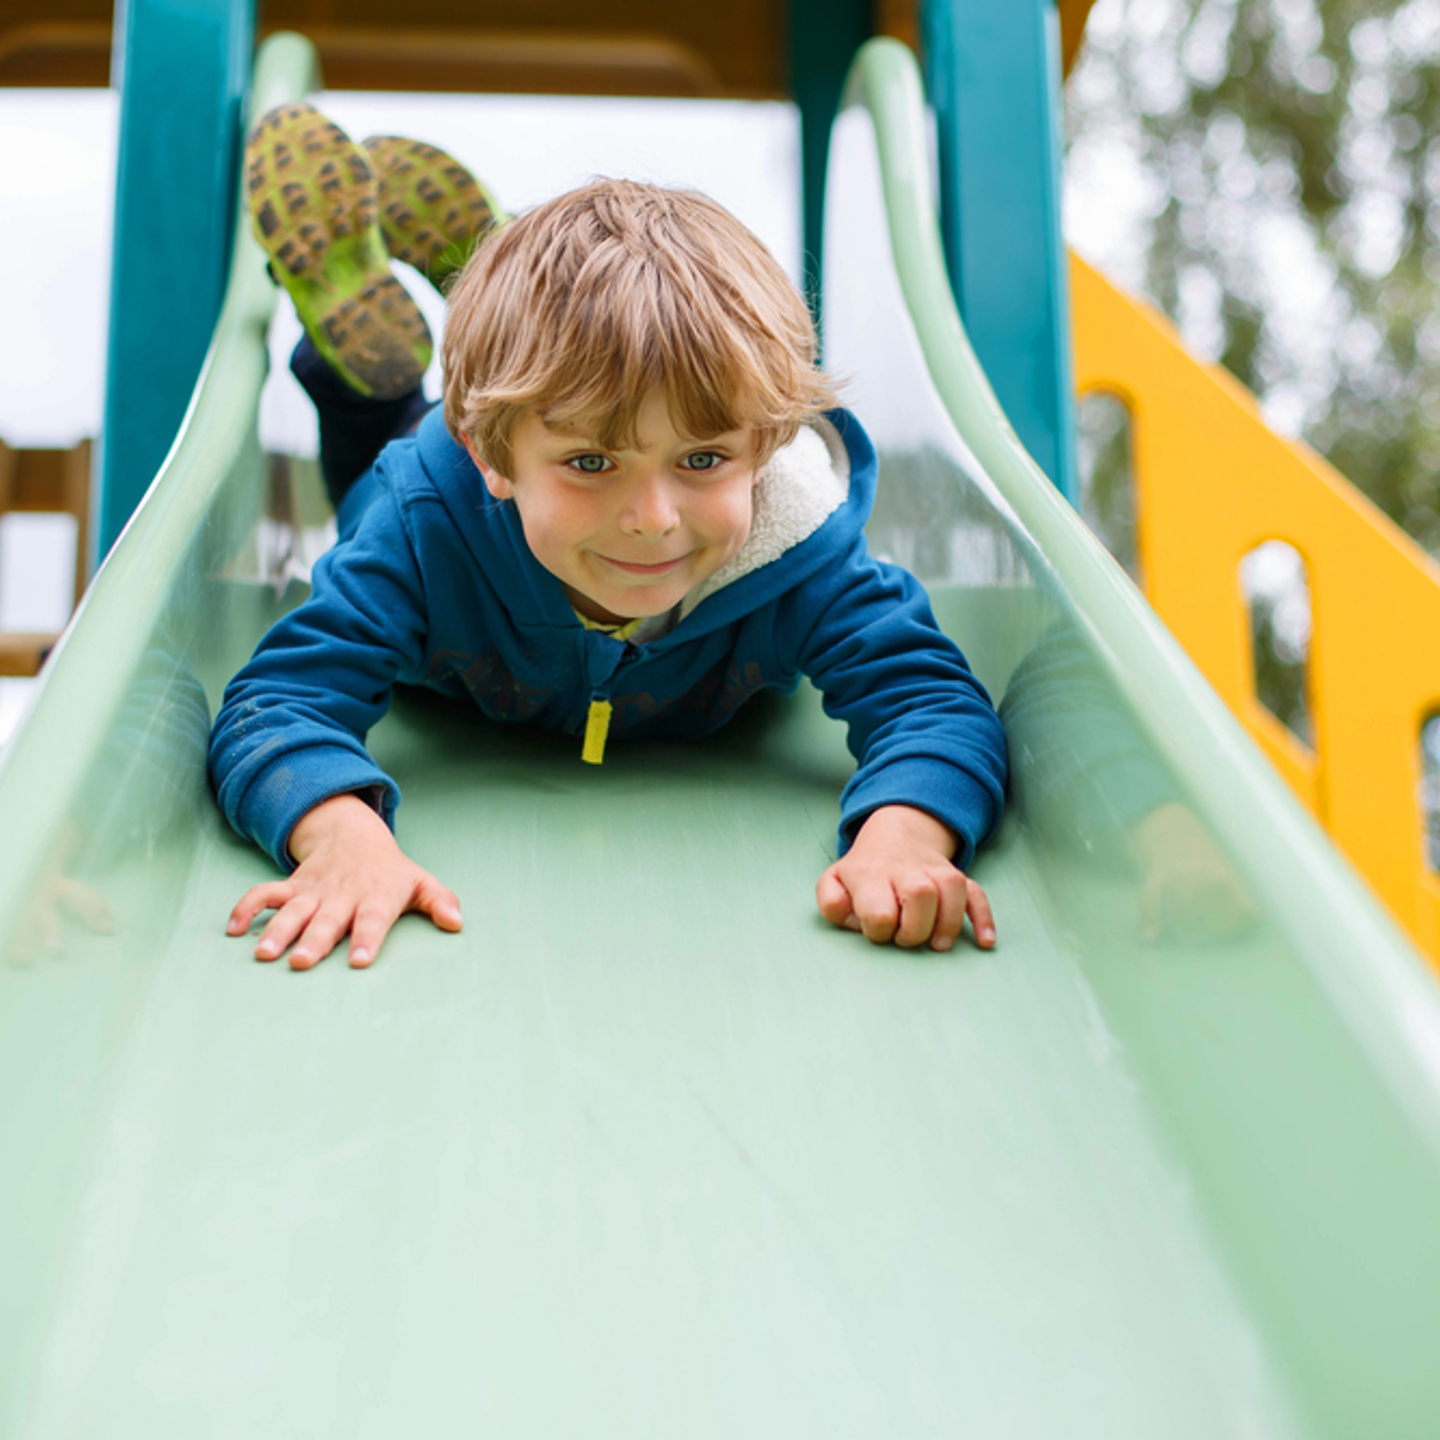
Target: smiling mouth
x: 631, y: 567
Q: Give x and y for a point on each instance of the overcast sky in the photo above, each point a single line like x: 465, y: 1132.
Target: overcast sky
x: 56, y: 182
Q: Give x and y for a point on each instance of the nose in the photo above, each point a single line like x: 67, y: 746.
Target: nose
x: 649, y: 508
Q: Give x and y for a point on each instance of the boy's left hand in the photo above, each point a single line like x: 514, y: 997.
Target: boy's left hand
x: 897, y: 882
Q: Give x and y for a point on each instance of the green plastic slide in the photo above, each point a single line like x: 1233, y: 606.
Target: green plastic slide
x: 649, y: 1150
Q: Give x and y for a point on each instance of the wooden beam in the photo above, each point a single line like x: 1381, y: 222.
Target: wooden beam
x: 24, y: 654
x: 644, y: 50
x: 511, y: 61
x: 51, y: 482
x: 1073, y: 15
x: 64, y: 53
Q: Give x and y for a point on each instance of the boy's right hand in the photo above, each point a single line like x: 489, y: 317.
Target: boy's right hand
x: 352, y: 878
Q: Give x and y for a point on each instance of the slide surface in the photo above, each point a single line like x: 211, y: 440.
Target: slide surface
x: 649, y: 1149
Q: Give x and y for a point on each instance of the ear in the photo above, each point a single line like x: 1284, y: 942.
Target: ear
x: 498, y: 486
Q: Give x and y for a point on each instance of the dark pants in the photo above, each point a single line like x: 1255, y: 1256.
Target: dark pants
x: 354, y: 429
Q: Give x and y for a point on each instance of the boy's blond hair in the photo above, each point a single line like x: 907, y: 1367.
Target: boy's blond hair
x: 579, y: 308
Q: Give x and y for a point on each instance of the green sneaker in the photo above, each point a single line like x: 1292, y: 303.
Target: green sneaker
x: 432, y: 209
x: 314, y: 205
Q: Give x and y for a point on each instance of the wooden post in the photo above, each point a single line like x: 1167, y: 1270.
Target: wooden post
x: 45, y: 482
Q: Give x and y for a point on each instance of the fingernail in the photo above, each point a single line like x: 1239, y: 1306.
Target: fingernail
x: 942, y: 944
x: 852, y: 922
x: 267, y: 947
x: 359, y: 957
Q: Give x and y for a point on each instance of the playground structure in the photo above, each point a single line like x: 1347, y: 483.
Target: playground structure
x: 704, y: 1166
x: 1213, y: 482
x: 1362, y: 780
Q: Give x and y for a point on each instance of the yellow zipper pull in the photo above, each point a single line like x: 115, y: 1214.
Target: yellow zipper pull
x: 597, y: 727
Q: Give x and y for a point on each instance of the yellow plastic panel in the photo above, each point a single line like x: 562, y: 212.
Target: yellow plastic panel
x: 1213, y: 481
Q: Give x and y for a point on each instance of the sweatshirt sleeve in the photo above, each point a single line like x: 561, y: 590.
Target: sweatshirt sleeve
x: 920, y: 724
x: 291, y: 731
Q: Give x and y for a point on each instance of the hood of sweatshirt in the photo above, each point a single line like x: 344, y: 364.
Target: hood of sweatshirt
x: 812, y: 498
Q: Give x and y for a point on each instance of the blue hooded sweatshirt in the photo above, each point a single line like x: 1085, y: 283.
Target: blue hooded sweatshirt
x: 432, y: 584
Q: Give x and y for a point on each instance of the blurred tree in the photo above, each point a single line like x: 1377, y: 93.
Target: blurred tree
x: 1268, y: 173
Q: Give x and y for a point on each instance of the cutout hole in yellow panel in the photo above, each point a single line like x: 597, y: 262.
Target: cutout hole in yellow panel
x: 1430, y: 789
x: 1276, y: 585
x: 1107, y: 475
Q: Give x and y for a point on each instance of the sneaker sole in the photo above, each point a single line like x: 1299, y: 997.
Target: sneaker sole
x: 314, y: 206
x: 433, y: 211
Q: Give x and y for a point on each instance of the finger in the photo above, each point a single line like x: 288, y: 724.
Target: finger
x: 834, y: 900
x: 878, y: 911
x: 441, y: 905
x: 269, y: 896
x: 1232, y: 913
x: 982, y: 919
x: 367, y: 934
x: 919, y: 901
x: 321, y: 936
x: 285, y: 925
x: 954, y: 898
x: 88, y: 905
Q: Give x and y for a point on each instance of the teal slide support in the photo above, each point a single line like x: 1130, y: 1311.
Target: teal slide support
x: 993, y: 75
x: 649, y: 1149
x: 182, y: 69
x: 824, y: 36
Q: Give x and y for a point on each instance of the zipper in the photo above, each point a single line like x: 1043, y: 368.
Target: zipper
x: 597, y: 720
x: 597, y: 729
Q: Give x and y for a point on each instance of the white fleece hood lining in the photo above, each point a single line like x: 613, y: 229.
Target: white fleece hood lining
x: 801, y: 487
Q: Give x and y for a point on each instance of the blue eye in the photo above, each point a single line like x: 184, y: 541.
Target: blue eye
x: 703, y: 460
x: 591, y: 464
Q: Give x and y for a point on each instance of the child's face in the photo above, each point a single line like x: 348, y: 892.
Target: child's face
x: 629, y: 532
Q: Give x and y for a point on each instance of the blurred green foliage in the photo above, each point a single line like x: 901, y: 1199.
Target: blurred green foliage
x: 1268, y: 173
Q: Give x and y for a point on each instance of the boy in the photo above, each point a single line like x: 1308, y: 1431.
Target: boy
x: 635, y: 510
